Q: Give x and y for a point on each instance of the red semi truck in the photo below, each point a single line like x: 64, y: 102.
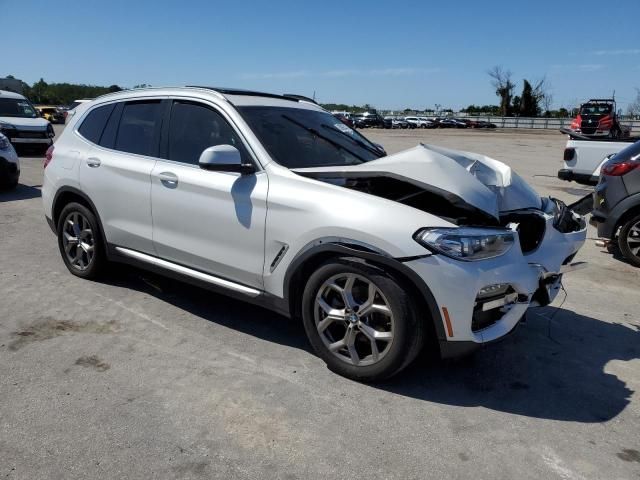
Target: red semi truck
x: 598, y: 118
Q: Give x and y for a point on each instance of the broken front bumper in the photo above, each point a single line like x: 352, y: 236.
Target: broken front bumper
x: 469, y: 314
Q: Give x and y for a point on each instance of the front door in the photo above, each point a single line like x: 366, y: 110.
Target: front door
x: 209, y: 221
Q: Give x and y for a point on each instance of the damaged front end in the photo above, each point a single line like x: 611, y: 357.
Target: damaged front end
x: 474, y: 193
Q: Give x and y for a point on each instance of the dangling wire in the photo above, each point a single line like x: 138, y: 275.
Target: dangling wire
x: 566, y: 295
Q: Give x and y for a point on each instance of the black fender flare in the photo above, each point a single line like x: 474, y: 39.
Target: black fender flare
x: 370, y: 256
x: 608, y: 228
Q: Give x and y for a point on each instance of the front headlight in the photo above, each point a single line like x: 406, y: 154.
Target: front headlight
x: 466, y: 243
x: 4, y: 142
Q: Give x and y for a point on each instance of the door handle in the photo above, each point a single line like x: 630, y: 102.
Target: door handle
x: 168, y: 179
x: 93, y: 162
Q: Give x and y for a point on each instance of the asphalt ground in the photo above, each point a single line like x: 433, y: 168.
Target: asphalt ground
x: 136, y: 376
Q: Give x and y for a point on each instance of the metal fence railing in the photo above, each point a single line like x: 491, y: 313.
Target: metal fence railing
x: 541, y: 122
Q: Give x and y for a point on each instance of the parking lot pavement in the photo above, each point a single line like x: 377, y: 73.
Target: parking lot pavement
x: 140, y: 377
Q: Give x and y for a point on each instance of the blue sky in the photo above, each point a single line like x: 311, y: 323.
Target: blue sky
x: 391, y: 54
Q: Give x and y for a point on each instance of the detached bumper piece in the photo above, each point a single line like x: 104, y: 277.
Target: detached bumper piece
x: 565, y: 220
x: 488, y: 310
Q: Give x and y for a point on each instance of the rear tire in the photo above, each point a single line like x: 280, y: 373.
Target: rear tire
x: 80, y: 241
x: 372, y: 338
x: 629, y: 240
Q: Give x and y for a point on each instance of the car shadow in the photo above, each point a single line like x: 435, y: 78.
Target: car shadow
x: 228, y: 312
x: 552, y: 367
x: 21, y: 192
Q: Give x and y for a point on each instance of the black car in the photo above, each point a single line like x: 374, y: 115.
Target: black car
x: 452, y: 123
x: 616, y: 202
x: 365, y: 120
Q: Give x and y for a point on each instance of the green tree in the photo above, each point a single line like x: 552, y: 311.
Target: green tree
x: 528, y: 101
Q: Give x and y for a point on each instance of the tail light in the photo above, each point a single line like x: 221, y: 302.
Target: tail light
x: 569, y: 153
x: 577, y: 122
x: 620, y: 168
x: 48, y: 157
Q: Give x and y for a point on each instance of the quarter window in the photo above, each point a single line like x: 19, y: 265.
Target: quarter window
x: 93, y: 125
x: 193, y: 128
x: 137, y: 128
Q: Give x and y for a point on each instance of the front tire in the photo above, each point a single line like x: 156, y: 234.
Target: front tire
x: 629, y: 240
x: 360, y: 321
x: 80, y: 241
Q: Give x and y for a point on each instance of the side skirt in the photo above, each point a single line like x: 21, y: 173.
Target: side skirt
x: 198, y: 278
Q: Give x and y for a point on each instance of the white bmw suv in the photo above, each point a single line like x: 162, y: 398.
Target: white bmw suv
x: 271, y: 199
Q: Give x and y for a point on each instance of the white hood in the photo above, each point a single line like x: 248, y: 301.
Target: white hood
x: 37, y: 124
x: 480, y: 181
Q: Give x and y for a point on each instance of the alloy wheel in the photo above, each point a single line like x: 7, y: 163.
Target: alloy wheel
x: 78, y: 240
x: 354, y: 319
x: 633, y: 239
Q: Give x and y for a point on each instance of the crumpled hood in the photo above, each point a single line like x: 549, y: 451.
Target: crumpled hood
x: 480, y: 181
x: 38, y: 123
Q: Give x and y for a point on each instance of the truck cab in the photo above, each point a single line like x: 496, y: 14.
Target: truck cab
x: 598, y: 118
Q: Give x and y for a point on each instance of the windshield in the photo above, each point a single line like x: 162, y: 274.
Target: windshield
x: 301, y: 138
x: 594, y: 109
x: 16, y: 107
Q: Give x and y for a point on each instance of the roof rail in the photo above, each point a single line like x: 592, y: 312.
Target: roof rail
x: 294, y: 96
x: 254, y: 93
x: 221, y: 92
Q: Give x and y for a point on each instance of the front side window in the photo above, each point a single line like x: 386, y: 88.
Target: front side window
x: 93, y: 125
x: 299, y: 138
x: 195, y: 127
x: 17, y: 107
x: 137, y: 129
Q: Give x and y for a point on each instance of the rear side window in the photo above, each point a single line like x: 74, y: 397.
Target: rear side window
x: 193, y: 128
x: 93, y: 125
x: 137, y: 129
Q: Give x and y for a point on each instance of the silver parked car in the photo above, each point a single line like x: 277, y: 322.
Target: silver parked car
x: 275, y: 201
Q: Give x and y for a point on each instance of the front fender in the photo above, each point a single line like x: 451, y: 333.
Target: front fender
x: 305, y: 262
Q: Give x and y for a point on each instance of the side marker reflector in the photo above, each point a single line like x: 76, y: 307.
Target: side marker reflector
x: 447, y: 321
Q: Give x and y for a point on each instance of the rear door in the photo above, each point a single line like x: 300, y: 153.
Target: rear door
x: 209, y: 221
x: 116, y: 173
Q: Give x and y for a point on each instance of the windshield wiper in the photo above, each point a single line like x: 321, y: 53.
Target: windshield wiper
x: 357, y: 141
x: 315, y: 132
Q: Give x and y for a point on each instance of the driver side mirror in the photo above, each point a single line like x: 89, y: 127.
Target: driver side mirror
x: 224, y: 158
